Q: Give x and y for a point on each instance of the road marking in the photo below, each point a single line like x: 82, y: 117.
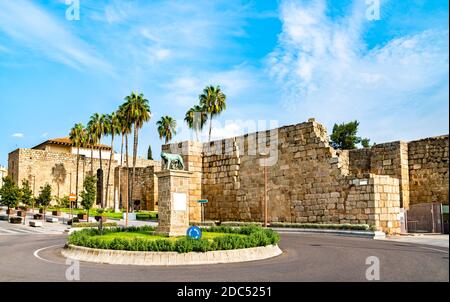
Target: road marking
x: 7, y: 231
x: 433, y: 249
x: 36, y: 254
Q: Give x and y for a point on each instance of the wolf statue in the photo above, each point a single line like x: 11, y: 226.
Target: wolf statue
x: 172, y: 161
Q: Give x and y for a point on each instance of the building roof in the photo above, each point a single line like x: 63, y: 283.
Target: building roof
x: 66, y: 141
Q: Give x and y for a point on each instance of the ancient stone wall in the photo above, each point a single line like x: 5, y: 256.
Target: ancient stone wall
x: 308, y: 182
x: 428, y: 170
x: 145, y: 186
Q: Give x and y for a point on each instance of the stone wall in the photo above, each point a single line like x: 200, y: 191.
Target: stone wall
x: 307, y: 182
x: 428, y: 170
x: 145, y: 186
x: 311, y: 182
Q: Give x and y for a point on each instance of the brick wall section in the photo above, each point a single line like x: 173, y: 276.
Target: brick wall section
x: 428, y: 170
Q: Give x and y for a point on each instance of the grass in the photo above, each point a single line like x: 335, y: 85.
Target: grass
x: 148, y: 235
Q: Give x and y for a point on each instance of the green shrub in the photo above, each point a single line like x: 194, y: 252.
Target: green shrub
x: 254, y: 236
x: 330, y: 226
x: 240, y: 223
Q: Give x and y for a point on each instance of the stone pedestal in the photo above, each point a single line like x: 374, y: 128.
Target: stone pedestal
x: 173, y: 195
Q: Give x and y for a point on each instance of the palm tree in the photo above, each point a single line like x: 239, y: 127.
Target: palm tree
x: 92, y: 141
x: 137, y: 112
x: 166, y: 128
x: 214, y: 101
x: 112, y: 127
x: 196, y: 118
x: 78, y: 137
x: 97, y: 129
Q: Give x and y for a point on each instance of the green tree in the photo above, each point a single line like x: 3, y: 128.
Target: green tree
x: 79, y: 138
x: 345, y: 137
x: 166, y: 128
x: 112, y: 127
x: 89, y: 193
x: 196, y: 118
x: 45, y: 196
x: 26, y: 197
x: 149, y: 153
x: 9, y: 193
x: 137, y: 112
x: 214, y: 101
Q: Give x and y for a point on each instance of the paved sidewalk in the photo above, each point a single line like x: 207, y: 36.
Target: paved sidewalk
x: 429, y: 239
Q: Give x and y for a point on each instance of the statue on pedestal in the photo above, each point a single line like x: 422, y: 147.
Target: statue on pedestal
x: 172, y: 161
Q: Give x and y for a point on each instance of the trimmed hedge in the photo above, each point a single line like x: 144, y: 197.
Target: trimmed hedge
x: 330, y: 226
x: 207, y: 223
x: 15, y: 220
x: 240, y: 223
x: 256, y: 236
x: 93, y: 224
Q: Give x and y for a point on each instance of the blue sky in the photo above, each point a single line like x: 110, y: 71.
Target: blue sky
x: 281, y: 60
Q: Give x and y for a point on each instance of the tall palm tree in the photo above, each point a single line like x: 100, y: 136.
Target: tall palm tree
x: 196, y: 118
x: 78, y: 137
x: 214, y: 100
x: 166, y: 128
x: 112, y: 127
x: 97, y: 128
x: 91, y: 141
x: 137, y: 112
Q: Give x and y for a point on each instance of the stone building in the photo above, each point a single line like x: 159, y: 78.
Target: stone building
x: 3, y: 173
x: 55, y: 162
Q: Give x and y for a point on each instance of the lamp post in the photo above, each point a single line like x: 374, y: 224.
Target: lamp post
x: 265, y: 189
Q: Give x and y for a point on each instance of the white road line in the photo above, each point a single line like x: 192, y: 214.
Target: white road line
x: 7, y: 231
x: 36, y: 254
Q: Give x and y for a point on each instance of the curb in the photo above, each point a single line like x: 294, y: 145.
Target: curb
x: 350, y: 233
x: 169, y: 258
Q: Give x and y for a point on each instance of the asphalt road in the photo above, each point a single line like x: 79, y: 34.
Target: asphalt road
x: 306, y: 257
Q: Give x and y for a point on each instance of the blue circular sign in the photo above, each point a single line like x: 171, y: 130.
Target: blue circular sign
x: 194, y: 232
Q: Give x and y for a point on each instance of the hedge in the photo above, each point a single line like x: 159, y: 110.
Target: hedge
x: 330, y: 226
x: 92, y: 224
x: 240, y: 223
x: 256, y: 236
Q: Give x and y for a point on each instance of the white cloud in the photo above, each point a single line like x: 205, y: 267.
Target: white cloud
x: 326, y: 71
x: 45, y: 134
x: 18, y: 135
x: 33, y: 27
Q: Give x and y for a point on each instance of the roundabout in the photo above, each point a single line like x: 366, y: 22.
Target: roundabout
x: 144, y: 246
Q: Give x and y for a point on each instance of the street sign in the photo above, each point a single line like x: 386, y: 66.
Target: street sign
x: 72, y: 197
x: 203, y: 201
x: 194, y: 232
